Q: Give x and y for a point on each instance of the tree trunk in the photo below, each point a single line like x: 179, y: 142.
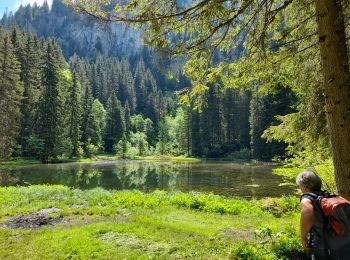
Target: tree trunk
x: 335, y: 65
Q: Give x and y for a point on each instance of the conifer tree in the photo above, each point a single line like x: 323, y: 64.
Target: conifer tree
x: 31, y: 78
x: 115, y: 126
x: 75, y: 114
x: 183, y: 135
x: 11, y: 91
x: 163, y: 138
x: 49, y: 109
x: 18, y: 44
x: 264, y: 108
x: 127, y: 115
x: 195, y: 134
x: 140, y: 87
x: 87, y: 102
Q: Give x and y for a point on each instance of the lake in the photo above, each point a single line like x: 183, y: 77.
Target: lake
x: 224, y: 178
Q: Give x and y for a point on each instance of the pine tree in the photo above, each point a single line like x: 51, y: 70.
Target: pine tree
x: 31, y: 78
x: 211, y: 125
x: 140, y: 87
x: 127, y: 115
x: 263, y: 110
x: 49, y: 109
x: 75, y: 114
x: 11, y: 91
x: 195, y: 134
x: 101, y: 88
x: 115, y: 126
x: 128, y: 82
x: 87, y: 102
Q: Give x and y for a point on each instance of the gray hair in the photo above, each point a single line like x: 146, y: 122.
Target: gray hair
x: 310, y: 180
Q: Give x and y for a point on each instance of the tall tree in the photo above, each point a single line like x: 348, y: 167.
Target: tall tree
x: 75, y: 114
x: 211, y: 24
x: 50, y: 105
x: 127, y: 116
x: 98, y: 124
x: 31, y: 78
x: 336, y: 86
x: 82, y: 69
x: 263, y: 110
x: 115, y: 123
x: 11, y: 91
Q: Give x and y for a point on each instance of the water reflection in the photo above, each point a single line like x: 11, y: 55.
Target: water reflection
x: 220, y: 178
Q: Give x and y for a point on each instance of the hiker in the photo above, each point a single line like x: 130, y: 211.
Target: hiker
x: 313, y: 224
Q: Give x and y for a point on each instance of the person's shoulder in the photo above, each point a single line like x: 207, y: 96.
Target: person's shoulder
x: 309, y: 196
x: 306, y: 204
x: 306, y: 201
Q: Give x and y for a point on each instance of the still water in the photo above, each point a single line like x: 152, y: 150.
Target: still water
x: 229, y: 179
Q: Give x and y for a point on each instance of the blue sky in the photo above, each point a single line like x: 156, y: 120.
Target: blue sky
x: 12, y: 5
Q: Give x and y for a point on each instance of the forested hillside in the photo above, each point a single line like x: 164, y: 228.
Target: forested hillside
x: 84, y: 88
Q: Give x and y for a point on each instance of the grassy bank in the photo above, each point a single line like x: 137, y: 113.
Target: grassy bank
x: 324, y: 170
x: 15, y: 162
x: 98, y: 224
x: 18, y: 162
x: 169, y: 158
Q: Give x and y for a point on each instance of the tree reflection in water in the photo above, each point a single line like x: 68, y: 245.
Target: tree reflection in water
x: 229, y: 179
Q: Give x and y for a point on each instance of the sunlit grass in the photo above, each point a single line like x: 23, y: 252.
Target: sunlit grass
x: 18, y: 162
x: 325, y: 170
x: 100, y: 224
x: 169, y: 158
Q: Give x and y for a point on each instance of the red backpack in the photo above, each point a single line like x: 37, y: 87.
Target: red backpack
x: 336, y: 215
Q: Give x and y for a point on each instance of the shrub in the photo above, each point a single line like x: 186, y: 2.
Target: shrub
x: 92, y: 150
x: 34, y: 146
x: 284, y: 244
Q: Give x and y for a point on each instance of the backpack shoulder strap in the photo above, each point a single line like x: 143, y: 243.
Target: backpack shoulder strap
x: 309, y: 195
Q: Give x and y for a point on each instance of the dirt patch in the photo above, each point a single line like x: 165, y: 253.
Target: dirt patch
x: 35, y: 220
x: 234, y: 234
x: 136, y: 243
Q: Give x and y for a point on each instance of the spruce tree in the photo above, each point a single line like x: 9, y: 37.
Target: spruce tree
x: 140, y: 87
x: 75, y: 114
x: 263, y: 110
x: 115, y: 126
x: 49, y: 109
x: 86, y: 101
x: 11, y: 91
x: 127, y: 115
x: 211, y: 125
x: 31, y: 78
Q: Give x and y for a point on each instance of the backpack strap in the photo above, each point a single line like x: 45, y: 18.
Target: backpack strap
x: 315, y: 198
x: 309, y: 195
x: 315, y: 195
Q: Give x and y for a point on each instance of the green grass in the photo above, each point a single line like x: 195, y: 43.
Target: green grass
x: 100, y: 224
x: 18, y: 162
x: 325, y: 170
x: 169, y: 158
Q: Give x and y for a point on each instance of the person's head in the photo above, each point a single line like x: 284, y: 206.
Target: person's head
x: 309, y: 181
